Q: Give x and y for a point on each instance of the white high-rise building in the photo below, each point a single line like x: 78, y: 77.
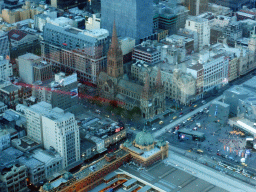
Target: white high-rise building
x: 34, y: 115
x: 201, y: 26
x: 61, y: 132
x: 54, y: 129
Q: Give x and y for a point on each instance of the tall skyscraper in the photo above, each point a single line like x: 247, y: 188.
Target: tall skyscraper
x: 134, y: 18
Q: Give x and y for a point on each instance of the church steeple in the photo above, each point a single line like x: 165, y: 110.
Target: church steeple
x: 115, y: 57
x: 146, y: 88
x: 159, y: 84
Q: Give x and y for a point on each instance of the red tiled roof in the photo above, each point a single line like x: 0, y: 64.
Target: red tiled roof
x: 16, y: 34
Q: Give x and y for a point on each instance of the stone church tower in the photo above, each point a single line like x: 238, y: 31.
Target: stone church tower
x: 115, y: 57
x: 159, y: 96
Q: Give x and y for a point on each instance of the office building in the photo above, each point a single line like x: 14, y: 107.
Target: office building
x: 5, y: 69
x: 66, y: 4
x: 73, y: 50
x: 51, y: 159
x: 215, y: 71
x: 10, y: 94
x: 25, y: 63
x: 169, y: 16
x: 61, y: 132
x: 146, y: 52
x: 36, y: 171
x: 4, y: 45
x: 196, y: 7
x: 233, y: 31
x: 235, y: 5
x: 12, y: 4
x: 13, y: 174
x: 22, y: 42
x: 60, y: 92
x: 197, y: 71
x: 34, y: 115
x: 202, y: 28
x: 133, y: 18
x: 32, y: 68
x: 5, y: 139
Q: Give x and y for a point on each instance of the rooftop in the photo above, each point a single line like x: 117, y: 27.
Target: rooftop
x: 44, y: 156
x: 96, y: 166
x: 147, y: 49
x: 30, y: 56
x: 196, y: 67
x: 25, y: 144
x: 11, y: 88
x: 160, y: 177
x: 31, y: 163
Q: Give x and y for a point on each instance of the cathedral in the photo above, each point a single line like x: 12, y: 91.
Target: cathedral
x: 115, y: 85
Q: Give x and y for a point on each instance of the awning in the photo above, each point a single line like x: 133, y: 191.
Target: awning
x: 129, y: 182
x: 110, y: 175
x: 144, y: 189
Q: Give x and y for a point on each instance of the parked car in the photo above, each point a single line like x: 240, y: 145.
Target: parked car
x: 154, y: 129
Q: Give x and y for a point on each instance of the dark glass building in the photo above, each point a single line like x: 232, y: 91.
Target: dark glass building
x: 133, y: 18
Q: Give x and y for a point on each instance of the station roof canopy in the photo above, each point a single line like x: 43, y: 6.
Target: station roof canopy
x: 189, y: 132
x: 144, y: 189
x: 110, y: 175
x: 129, y: 182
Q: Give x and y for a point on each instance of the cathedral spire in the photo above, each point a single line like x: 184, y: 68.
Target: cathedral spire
x: 146, y: 88
x: 158, y: 79
x: 114, y: 41
x: 115, y: 56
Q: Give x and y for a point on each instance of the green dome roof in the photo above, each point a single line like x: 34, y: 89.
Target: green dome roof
x: 143, y: 138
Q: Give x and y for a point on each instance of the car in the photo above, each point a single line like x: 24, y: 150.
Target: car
x: 189, y: 119
x: 231, y: 158
x: 133, y: 128
x: 195, y: 105
x: 174, y: 117
x: 154, y: 129
x: 184, y: 122
x: 218, y: 154
x: 107, y: 116
x: 201, y: 111
x: 171, y: 121
x: 181, y: 113
x: 194, y: 129
x: 203, y: 102
x: 161, y: 122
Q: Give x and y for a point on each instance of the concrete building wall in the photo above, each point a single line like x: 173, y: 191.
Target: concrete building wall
x: 26, y: 71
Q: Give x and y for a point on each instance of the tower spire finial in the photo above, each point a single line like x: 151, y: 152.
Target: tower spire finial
x: 158, y: 79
